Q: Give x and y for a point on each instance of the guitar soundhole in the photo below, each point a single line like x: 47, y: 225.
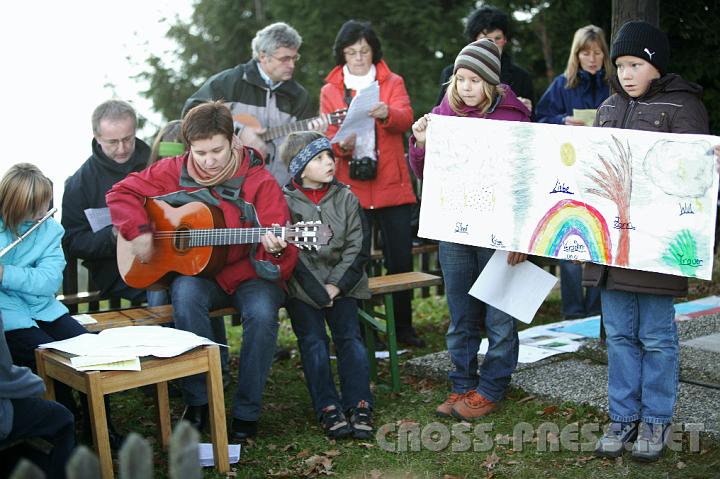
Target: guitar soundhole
x: 182, y: 238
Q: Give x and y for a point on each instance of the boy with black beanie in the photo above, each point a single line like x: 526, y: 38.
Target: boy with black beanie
x: 637, y: 306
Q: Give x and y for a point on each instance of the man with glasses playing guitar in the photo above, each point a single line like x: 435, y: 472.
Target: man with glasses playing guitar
x: 265, y: 101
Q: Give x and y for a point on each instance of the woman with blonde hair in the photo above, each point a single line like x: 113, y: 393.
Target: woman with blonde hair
x: 583, y: 86
x: 584, y: 83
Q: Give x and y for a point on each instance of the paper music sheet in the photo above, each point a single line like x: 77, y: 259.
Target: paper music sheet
x: 585, y: 115
x: 357, y: 119
x: 517, y: 290
x: 98, y: 218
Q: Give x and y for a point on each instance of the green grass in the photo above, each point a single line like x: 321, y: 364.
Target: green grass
x: 291, y: 444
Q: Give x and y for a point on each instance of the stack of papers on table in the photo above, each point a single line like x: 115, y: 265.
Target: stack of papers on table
x: 121, y: 348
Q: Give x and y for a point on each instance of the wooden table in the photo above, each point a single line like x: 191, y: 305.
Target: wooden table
x: 52, y: 364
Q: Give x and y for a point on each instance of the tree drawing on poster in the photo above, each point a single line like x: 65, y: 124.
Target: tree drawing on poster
x: 626, y: 198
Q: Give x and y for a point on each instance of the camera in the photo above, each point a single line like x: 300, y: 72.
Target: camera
x: 363, y: 169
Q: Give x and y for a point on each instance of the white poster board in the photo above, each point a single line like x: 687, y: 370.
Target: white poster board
x: 627, y: 198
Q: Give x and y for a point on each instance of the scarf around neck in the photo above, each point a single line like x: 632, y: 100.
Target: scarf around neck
x: 355, y: 82
x: 202, y: 177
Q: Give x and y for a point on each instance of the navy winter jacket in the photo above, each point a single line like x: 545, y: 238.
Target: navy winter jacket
x: 558, y: 102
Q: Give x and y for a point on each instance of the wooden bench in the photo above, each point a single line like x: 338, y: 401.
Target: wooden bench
x: 373, y: 320
x: 428, y: 262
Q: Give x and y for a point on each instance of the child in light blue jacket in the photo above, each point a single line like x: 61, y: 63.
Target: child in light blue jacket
x: 31, y: 273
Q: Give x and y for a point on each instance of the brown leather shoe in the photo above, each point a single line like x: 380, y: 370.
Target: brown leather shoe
x: 445, y: 409
x: 473, y: 406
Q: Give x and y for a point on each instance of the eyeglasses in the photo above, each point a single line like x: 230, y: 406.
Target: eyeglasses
x: 288, y: 58
x: 114, y: 144
x: 362, y: 52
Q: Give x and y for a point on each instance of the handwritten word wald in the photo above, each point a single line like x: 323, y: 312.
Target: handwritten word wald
x: 686, y: 209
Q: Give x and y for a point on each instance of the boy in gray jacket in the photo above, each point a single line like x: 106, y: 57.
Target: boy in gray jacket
x: 326, y: 285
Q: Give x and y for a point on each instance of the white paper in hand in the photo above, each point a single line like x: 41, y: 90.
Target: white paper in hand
x: 517, y: 290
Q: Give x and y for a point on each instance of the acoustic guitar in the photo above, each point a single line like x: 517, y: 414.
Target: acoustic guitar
x: 334, y: 118
x: 192, y: 240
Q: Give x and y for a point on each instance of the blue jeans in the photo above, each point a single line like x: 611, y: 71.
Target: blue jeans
x: 643, y: 356
x: 461, y: 265
x: 258, y: 301
x: 574, y: 303
x: 308, y: 324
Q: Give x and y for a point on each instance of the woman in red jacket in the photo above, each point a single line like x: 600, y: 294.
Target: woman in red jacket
x: 373, y: 162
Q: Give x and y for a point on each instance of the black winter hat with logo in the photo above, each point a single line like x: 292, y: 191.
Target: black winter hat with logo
x: 642, y: 40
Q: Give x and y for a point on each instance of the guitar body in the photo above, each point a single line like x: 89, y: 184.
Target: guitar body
x: 171, y: 253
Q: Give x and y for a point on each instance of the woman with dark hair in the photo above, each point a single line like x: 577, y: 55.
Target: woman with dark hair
x: 373, y: 162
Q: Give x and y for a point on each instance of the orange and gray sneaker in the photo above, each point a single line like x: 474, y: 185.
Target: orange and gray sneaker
x: 445, y: 409
x: 473, y: 405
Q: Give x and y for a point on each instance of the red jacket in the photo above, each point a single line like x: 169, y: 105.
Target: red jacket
x: 392, y: 185
x: 169, y: 179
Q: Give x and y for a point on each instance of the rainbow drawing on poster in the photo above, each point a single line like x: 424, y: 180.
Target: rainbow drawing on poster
x: 570, y: 217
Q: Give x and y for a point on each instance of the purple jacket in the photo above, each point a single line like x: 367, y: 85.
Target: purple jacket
x: 506, y: 107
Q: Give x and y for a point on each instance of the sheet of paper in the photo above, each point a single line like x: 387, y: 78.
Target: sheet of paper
x: 357, y: 119
x: 105, y: 363
x: 526, y: 354
x: 382, y: 354
x: 98, y: 218
x: 386, y: 354
x: 84, y: 319
x: 131, y: 341
x: 205, y: 451
x: 517, y: 290
x: 587, y: 115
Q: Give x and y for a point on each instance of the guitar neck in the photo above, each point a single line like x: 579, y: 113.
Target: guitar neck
x: 227, y: 236
x: 283, y: 130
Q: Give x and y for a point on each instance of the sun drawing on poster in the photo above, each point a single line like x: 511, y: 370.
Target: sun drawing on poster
x: 568, y: 218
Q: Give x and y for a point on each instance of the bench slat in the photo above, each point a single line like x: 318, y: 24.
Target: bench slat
x: 393, y: 283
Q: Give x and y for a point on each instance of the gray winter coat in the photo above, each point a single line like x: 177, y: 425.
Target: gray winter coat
x: 15, y: 383
x: 342, y: 262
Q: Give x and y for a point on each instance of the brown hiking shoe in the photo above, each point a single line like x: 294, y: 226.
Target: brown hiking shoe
x: 472, y: 406
x: 445, y: 409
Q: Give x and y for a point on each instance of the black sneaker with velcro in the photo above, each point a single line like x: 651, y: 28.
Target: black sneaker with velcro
x: 334, y: 423
x: 361, y: 420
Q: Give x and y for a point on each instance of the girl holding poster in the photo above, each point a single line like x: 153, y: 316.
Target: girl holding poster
x: 474, y: 91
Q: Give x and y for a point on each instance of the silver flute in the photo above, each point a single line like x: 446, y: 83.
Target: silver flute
x: 32, y: 228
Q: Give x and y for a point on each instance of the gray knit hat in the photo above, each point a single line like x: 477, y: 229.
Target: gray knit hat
x: 481, y: 57
x: 642, y: 40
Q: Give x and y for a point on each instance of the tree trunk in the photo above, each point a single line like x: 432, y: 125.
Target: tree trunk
x: 541, y: 32
x: 626, y: 10
x: 259, y: 11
